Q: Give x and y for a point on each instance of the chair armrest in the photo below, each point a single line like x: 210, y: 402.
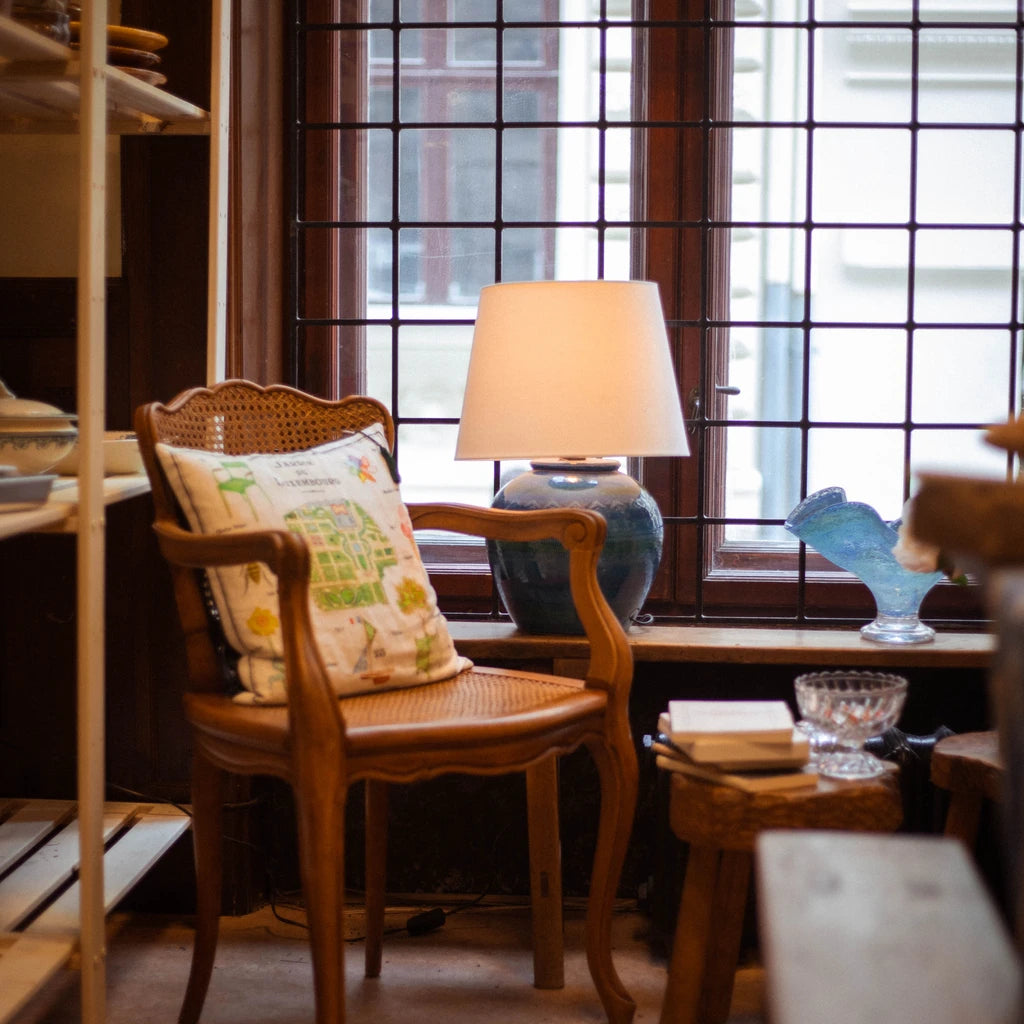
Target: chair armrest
x: 283, y: 552
x: 582, y: 532
x: 309, y: 693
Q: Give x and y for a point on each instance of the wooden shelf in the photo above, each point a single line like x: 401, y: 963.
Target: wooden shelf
x: 39, y: 92
x: 60, y: 513
x: 54, y: 897
x: 39, y: 891
x: 734, y: 645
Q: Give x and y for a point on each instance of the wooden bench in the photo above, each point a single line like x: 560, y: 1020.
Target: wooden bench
x: 900, y: 928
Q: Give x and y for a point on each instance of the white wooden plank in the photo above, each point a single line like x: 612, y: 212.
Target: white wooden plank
x: 28, y: 825
x: 26, y: 964
x: 124, y: 863
x: 28, y: 887
x: 91, y: 366
x: 863, y: 927
x: 220, y: 108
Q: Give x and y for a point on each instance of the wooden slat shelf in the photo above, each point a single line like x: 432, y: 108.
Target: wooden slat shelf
x: 39, y: 92
x: 67, y: 865
x: 39, y: 896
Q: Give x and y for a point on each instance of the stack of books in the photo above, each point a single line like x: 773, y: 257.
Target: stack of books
x: 749, y: 744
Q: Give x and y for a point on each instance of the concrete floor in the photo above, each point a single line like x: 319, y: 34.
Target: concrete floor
x: 476, y: 968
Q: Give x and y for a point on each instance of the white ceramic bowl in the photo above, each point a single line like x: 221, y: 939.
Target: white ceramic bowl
x: 35, y: 451
x: 120, y: 456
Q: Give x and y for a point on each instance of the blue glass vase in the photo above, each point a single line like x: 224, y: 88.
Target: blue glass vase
x: 854, y: 536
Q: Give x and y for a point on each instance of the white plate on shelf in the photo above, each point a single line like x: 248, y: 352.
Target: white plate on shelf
x: 19, y: 493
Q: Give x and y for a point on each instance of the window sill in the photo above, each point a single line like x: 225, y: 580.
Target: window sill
x: 733, y: 645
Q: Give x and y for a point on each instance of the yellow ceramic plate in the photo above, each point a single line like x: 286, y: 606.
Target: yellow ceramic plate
x: 121, y: 35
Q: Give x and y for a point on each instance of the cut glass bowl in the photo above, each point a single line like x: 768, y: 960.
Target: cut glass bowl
x: 849, y: 707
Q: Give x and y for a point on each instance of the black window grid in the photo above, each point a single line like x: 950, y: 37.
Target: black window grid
x: 707, y: 223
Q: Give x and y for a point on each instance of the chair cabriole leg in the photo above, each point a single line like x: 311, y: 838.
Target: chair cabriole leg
x: 617, y: 768
x: 320, y: 809
x: 376, y: 872
x: 208, y: 783
x: 545, y: 874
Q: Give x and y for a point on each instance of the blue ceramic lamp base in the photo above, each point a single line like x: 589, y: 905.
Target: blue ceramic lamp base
x: 533, y: 578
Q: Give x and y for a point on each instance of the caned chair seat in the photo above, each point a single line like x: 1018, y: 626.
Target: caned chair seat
x: 483, y: 720
x: 484, y: 705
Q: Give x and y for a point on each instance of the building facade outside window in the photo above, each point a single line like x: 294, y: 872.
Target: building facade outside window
x: 827, y: 193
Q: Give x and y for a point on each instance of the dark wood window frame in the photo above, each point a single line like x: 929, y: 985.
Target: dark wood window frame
x: 685, y: 187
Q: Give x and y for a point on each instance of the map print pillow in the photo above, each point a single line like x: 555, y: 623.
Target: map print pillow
x: 373, y: 609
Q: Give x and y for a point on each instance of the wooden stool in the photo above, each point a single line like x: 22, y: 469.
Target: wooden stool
x: 721, y: 825
x: 969, y: 767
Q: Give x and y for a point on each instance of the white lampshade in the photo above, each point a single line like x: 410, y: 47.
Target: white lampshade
x: 570, y: 369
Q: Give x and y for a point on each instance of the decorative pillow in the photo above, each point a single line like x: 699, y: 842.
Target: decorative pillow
x: 373, y: 609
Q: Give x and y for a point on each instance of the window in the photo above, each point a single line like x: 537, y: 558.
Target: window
x: 827, y: 192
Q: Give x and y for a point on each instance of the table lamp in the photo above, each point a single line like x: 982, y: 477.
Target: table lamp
x: 567, y: 373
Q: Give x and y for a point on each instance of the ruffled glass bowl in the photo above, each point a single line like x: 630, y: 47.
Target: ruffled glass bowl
x: 849, y: 707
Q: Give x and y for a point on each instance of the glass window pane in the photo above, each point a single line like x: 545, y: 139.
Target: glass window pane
x: 956, y: 451
x: 961, y: 376
x: 580, y: 49
x: 569, y: 254
x: 471, y: 263
x: 859, y: 275
x: 762, y: 263
x: 858, y: 375
x: 471, y: 156
x: 766, y: 364
x: 867, y: 464
x: 618, y: 74
x: 522, y: 176
x: 413, y: 249
x: 432, y: 364
x: 528, y: 45
x: 861, y: 175
x: 379, y: 265
x: 844, y: 10
x: 968, y: 75
x: 533, y: 10
x: 763, y: 476
x: 758, y: 96
x: 426, y: 461
x: 974, y: 10
x: 464, y: 157
x: 965, y: 176
x: 943, y: 288
x: 474, y: 10
x: 473, y: 45
x: 379, y: 365
x: 873, y: 83
x: 766, y: 161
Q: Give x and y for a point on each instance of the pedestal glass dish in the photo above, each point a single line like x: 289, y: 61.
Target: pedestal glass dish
x: 851, y: 707
x: 856, y: 538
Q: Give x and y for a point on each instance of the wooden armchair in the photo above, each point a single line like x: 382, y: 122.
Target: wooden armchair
x: 483, y: 721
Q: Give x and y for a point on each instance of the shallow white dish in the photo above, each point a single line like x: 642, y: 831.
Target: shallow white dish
x: 19, y: 493
x: 120, y: 456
